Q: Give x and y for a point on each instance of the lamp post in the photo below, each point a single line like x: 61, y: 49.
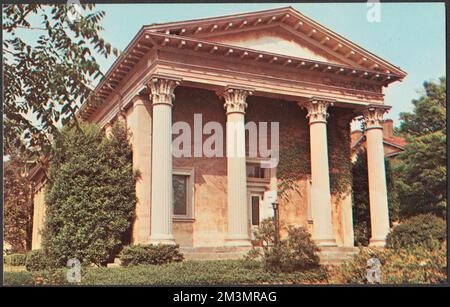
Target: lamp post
x: 275, y: 221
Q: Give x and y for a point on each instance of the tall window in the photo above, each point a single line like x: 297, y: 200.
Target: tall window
x: 254, y: 170
x: 179, y: 194
x: 183, y: 192
x: 255, y: 210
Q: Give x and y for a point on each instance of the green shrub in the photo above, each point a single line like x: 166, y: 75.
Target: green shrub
x: 299, y: 250
x: 90, y: 195
x: 150, y: 254
x: 416, y: 264
x: 15, y: 259
x: 296, y: 252
x: 420, y: 229
x: 212, y: 272
x: 36, y: 260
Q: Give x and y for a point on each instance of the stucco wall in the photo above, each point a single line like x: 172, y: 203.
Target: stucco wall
x: 210, y: 198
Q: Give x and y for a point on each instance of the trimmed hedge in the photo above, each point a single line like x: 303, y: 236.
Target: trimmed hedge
x: 150, y: 254
x: 36, y: 261
x: 214, y: 272
x: 45, y: 277
x: 420, y: 229
x: 15, y: 259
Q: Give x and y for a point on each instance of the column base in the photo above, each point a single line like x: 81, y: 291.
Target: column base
x: 236, y: 241
x: 377, y: 242
x: 325, y: 242
x: 162, y: 239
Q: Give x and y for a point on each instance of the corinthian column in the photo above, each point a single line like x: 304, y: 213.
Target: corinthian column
x: 161, y: 92
x: 139, y: 120
x: 379, y: 210
x: 320, y: 176
x: 238, y: 222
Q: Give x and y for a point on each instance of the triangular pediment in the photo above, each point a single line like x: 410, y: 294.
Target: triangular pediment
x: 278, y: 41
x: 283, y: 31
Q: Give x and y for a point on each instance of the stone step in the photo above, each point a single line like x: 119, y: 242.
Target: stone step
x: 213, y: 256
x: 116, y: 264
x: 336, y: 255
x: 214, y: 253
x: 113, y: 265
x: 327, y: 255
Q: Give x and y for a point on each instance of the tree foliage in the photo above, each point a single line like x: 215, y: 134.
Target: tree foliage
x: 18, y: 207
x: 429, y: 114
x: 49, y: 66
x: 422, y: 171
x: 90, y: 195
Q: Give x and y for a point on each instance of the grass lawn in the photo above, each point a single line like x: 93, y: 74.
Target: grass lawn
x: 219, y: 272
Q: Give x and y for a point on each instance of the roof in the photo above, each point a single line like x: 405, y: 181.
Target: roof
x: 393, y: 141
x: 397, y: 141
x: 196, y: 34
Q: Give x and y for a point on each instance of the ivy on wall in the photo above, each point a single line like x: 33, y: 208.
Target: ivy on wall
x: 294, y: 163
x: 339, y: 150
x: 295, y: 157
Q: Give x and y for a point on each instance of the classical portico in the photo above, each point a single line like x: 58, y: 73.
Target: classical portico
x: 268, y: 66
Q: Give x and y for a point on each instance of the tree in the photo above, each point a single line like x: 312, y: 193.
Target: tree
x: 18, y: 207
x: 90, y: 195
x: 429, y: 114
x: 421, y: 171
x: 47, y: 77
x: 361, y: 201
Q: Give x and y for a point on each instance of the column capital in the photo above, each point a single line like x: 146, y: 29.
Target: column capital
x: 373, y: 115
x: 161, y: 89
x: 317, y: 110
x: 235, y: 99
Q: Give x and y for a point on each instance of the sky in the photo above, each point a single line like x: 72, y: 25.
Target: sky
x: 408, y: 35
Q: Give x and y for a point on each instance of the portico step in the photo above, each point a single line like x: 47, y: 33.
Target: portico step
x: 328, y: 255
x: 336, y: 255
x: 214, y: 253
